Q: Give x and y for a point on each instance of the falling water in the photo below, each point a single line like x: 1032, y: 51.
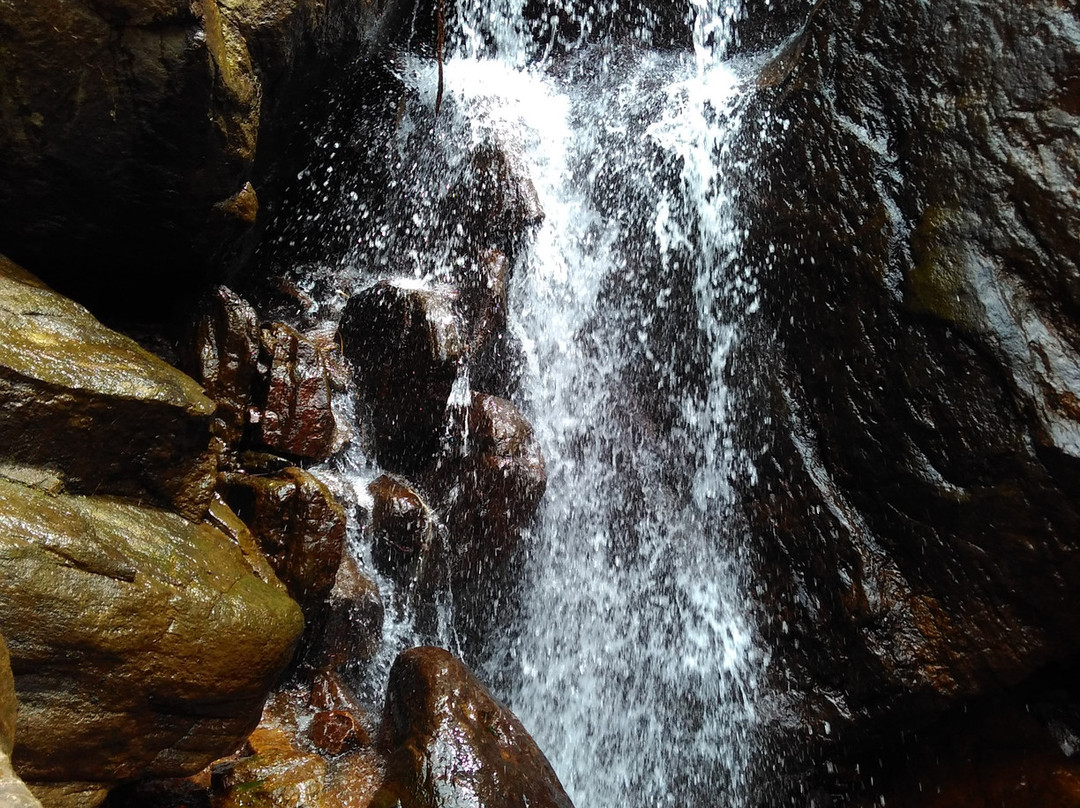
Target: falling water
x: 628, y: 652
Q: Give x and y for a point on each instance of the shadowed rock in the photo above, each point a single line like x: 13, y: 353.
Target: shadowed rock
x: 93, y: 406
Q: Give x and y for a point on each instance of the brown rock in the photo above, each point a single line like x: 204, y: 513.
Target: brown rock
x: 351, y: 618
x: 450, y: 742
x: 406, y: 347
x: 495, y: 485
x: 405, y: 535
x: 337, y: 731
x: 13, y: 792
x: 159, y: 648
x: 299, y: 525
x: 224, y: 358
x: 296, y: 417
x: 277, y: 774
x: 92, y: 405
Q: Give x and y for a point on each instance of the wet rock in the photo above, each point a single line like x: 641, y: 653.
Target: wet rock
x: 299, y: 526
x: 336, y: 731
x: 918, y: 498
x: 276, y: 774
x: 159, y: 648
x: 296, y: 417
x: 351, y: 619
x: 495, y: 356
x: 129, y: 131
x: 494, y: 487
x: 496, y: 201
x: 224, y: 358
x: 91, y: 405
x: 450, y: 742
x: 405, y: 536
x: 406, y: 347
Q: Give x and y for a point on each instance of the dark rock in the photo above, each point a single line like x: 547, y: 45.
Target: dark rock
x: 919, y: 257
x: 296, y: 417
x: 337, y: 731
x: 450, y: 742
x: 404, y: 534
x: 496, y: 201
x: 129, y: 131
x: 224, y: 358
x: 13, y: 792
x: 94, y: 407
x: 493, y: 487
x: 406, y: 347
x: 299, y: 525
x: 351, y: 619
x: 158, y: 649
x: 482, y: 297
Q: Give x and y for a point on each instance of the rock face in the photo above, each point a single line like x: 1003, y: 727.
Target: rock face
x: 94, y: 407
x: 920, y: 495
x: 131, y: 127
x: 141, y: 643
x: 450, y: 742
x: 406, y: 347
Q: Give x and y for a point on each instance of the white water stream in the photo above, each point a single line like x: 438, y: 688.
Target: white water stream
x: 629, y: 655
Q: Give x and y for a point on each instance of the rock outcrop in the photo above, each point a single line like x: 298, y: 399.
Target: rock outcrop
x: 450, y: 742
x: 93, y: 407
x: 919, y: 261
x: 13, y: 792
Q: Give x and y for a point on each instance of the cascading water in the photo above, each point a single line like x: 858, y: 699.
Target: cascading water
x: 629, y: 653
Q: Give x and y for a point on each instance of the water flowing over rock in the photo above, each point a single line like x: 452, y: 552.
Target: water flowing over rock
x: 405, y: 541
x: 92, y: 406
x: 159, y: 647
x: 406, y: 347
x: 450, y: 742
x: 922, y: 231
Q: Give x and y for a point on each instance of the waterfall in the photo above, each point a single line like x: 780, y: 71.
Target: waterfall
x: 627, y: 650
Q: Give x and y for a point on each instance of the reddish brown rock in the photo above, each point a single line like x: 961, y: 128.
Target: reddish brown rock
x: 406, y: 347
x: 299, y: 525
x: 224, y: 358
x: 296, y: 417
x: 337, y: 731
x: 450, y: 742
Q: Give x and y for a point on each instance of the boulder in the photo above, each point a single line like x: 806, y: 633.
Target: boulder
x: 142, y: 644
x: 492, y: 486
x: 129, y: 131
x: 495, y: 200
x: 224, y: 357
x: 298, y: 524
x: 406, y: 347
x: 448, y: 741
x: 276, y: 774
x: 918, y: 249
x: 91, y: 405
x: 404, y: 534
x: 296, y: 418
